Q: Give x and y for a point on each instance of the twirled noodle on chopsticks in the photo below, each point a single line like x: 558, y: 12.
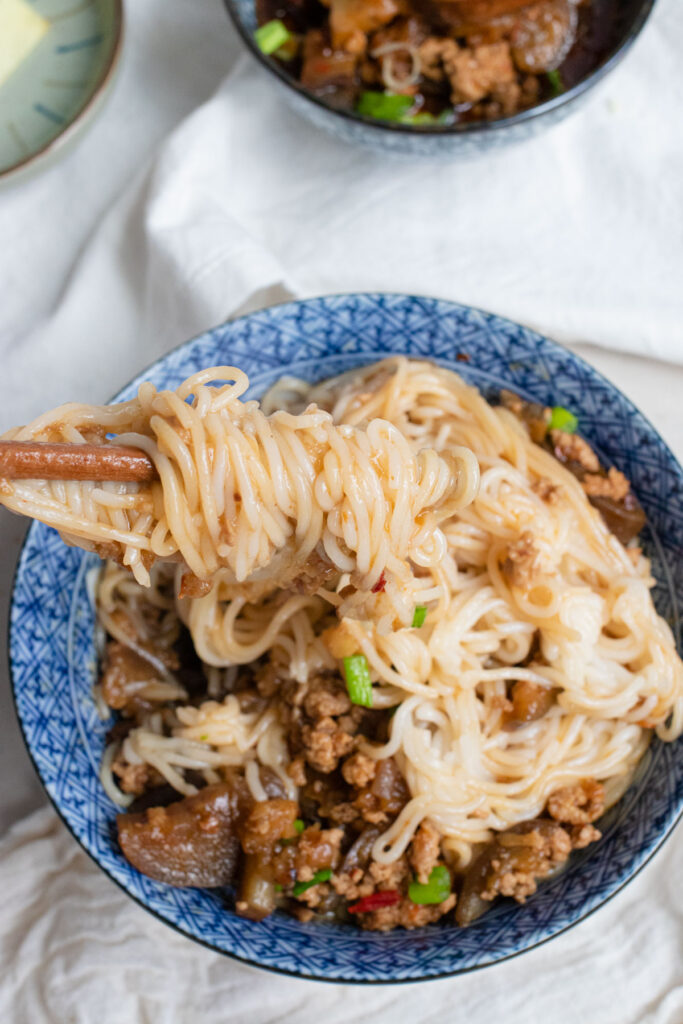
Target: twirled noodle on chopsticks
x: 245, y: 495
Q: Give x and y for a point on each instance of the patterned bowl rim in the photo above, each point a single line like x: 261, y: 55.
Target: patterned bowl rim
x: 618, y: 50
x: 675, y: 814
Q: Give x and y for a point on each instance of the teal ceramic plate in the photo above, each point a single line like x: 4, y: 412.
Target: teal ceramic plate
x: 57, y: 88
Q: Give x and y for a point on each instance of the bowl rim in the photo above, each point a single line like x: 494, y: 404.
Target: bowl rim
x: 675, y: 819
x: 450, y: 131
x: 89, y: 105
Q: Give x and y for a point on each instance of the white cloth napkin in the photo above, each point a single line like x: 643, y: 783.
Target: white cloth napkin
x: 579, y: 233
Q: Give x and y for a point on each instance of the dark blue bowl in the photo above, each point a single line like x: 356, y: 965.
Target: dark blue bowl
x: 425, y: 140
x: 53, y: 660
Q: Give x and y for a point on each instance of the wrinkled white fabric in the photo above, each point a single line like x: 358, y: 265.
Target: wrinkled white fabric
x: 578, y: 232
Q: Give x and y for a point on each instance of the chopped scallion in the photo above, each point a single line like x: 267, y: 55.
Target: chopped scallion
x: 436, y: 890
x: 318, y: 877
x: 562, y: 419
x: 299, y: 826
x: 204, y: 737
x: 556, y: 83
x: 384, y: 106
x: 358, y: 682
x: 271, y: 36
x: 419, y: 615
x: 278, y: 887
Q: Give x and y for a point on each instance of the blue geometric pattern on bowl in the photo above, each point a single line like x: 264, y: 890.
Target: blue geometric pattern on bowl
x: 53, y: 655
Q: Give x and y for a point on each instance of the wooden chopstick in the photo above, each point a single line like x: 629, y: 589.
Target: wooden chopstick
x: 40, y: 460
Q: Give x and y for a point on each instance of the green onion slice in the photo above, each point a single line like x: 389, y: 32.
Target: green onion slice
x: 437, y: 889
x: 419, y: 615
x: 556, y: 83
x: 562, y: 419
x: 318, y: 877
x: 271, y: 36
x: 358, y: 683
x: 384, y: 106
x: 298, y: 826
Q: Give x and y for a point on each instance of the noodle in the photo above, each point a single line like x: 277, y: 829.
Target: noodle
x: 373, y: 473
x: 390, y: 79
x: 241, y: 493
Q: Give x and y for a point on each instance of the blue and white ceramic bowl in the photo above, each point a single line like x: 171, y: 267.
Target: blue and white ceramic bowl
x: 53, y: 654
x: 423, y: 140
x: 57, y: 90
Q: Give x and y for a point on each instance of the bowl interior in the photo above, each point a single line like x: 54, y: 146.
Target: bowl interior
x: 627, y: 18
x: 53, y: 657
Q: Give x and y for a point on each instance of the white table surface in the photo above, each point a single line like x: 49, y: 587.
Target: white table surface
x: 181, y: 58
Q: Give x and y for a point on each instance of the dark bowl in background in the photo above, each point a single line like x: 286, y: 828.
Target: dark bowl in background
x: 426, y: 140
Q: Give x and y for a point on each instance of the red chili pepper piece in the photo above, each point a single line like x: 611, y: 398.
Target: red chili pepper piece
x: 375, y: 901
x: 380, y: 585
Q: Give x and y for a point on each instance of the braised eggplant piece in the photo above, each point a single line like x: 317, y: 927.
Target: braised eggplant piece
x: 625, y: 518
x: 511, y: 864
x: 543, y: 36
x: 386, y: 795
x: 327, y: 72
x: 256, y: 895
x: 193, y: 842
x: 359, y: 853
x: 127, y: 679
x: 530, y: 701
